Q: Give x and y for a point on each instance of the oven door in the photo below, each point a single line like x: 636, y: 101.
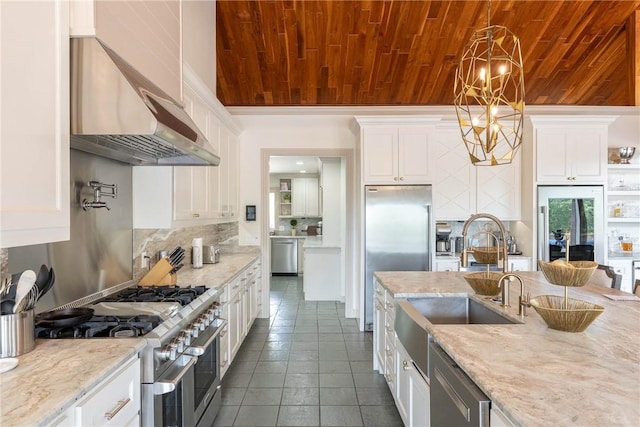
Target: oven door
x: 173, y: 394
x: 207, y: 396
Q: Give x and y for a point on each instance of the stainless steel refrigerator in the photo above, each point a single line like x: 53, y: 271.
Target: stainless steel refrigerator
x: 578, y: 211
x: 398, y: 225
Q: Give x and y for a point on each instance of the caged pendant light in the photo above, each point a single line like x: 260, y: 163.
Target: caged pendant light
x: 489, y: 95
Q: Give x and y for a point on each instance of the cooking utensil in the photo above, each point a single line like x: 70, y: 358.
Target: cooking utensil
x: 49, y: 285
x: 42, y: 278
x: 26, y: 282
x: 6, y: 306
x: 64, y: 317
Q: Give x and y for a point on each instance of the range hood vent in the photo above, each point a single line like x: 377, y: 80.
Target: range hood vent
x: 118, y: 113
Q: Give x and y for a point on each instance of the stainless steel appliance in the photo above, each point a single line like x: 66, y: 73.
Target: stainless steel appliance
x: 118, y: 113
x: 180, y: 369
x: 578, y: 210
x: 443, y: 242
x: 455, y: 399
x: 398, y: 227
x: 284, y: 256
x: 210, y: 255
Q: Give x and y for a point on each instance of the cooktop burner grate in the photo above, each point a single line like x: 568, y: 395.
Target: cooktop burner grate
x: 103, y: 327
x: 182, y: 295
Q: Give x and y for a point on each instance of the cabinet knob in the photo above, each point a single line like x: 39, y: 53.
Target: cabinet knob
x: 196, y: 215
x: 401, y: 178
x: 395, y: 178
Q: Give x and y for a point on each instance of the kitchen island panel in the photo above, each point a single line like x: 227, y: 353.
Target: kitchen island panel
x: 536, y: 375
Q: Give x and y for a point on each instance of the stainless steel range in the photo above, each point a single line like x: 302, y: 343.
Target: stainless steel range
x: 180, y: 368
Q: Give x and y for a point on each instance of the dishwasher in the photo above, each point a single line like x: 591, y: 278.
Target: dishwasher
x: 455, y: 399
x: 284, y: 256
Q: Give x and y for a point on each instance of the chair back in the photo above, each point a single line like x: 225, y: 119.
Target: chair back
x: 605, y: 276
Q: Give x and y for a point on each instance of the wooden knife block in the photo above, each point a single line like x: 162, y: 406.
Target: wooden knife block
x: 159, y: 275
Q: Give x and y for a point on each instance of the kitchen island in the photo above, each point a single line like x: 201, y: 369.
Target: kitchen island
x: 536, y: 375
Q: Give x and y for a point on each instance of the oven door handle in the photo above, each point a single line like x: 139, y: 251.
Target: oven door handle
x: 169, y: 385
x: 198, y: 350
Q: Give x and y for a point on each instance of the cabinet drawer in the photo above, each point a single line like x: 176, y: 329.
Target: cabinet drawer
x: 113, y: 403
x: 234, y: 287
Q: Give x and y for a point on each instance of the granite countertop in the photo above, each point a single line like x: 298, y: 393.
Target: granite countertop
x: 51, y: 378
x: 285, y: 236
x: 55, y: 374
x: 319, y: 242
x: 216, y: 275
x: 538, y: 376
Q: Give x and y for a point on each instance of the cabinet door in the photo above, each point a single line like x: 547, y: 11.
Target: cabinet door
x: 587, y: 155
x: 447, y: 265
x: 224, y: 171
x: 403, y: 382
x: 298, y: 196
x: 498, y: 190
x: 378, y: 329
x: 551, y: 155
x: 520, y: 264
x: 413, y: 155
x: 233, y: 176
x: 454, y: 177
x: 420, y: 413
x: 34, y: 154
x: 380, y: 155
x: 312, y: 204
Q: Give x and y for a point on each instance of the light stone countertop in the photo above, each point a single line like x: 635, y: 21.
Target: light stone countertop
x: 51, y: 378
x: 320, y: 242
x: 539, y: 376
x: 55, y: 374
x: 216, y: 275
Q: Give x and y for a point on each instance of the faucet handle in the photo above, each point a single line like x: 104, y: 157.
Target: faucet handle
x: 523, y: 303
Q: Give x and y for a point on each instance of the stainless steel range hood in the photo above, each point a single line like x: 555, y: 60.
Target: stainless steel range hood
x: 118, y: 113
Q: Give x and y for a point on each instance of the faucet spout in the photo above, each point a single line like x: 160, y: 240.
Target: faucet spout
x: 523, y: 301
x: 464, y: 257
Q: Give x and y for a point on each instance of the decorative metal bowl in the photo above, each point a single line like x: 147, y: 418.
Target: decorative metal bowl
x: 572, y: 273
x: 484, y: 282
x: 626, y: 153
x: 486, y: 254
x: 575, y: 317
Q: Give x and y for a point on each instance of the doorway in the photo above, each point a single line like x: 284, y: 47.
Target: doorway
x: 343, y: 226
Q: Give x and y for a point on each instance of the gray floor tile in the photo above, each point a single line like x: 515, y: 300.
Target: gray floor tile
x: 299, y: 416
x: 372, y: 379
x: 360, y: 355
x: 274, y: 355
x: 381, y: 416
x: 301, y: 396
x: 330, y: 329
x: 303, y: 367
x: 374, y: 396
x: 279, y: 337
x: 333, y: 345
x: 247, y: 355
x: 243, y: 366
x: 335, y: 367
x: 350, y: 329
x: 301, y: 380
x: 304, y: 345
x: 338, y: 396
x: 328, y: 354
x: 330, y: 338
x: 262, y: 396
x: 283, y: 329
x: 259, y: 380
x: 336, y: 380
x: 236, y: 380
x: 340, y: 416
x: 306, y: 330
x: 249, y: 416
x: 254, y: 346
x: 360, y: 336
x: 304, y: 355
x: 305, y: 337
x: 361, y: 366
x: 277, y: 345
x: 232, y: 395
x: 271, y: 367
x: 226, y: 416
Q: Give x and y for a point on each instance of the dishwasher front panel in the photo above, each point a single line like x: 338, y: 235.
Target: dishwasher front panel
x: 284, y: 256
x: 455, y: 399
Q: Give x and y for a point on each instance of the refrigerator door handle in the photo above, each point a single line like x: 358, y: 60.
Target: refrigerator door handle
x: 429, y: 266
x: 543, y: 237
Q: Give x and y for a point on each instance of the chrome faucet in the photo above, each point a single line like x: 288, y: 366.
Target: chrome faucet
x: 523, y: 300
x: 503, y: 232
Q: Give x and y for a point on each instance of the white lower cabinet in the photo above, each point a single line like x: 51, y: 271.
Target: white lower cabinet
x: 520, y: 264
x: 452, y: 264
x: 115, y: 402
x: 499, y: 419
x: 412, y: 391
x: 378, y: 328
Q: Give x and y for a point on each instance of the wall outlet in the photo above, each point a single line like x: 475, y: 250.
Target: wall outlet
x: 144, y: 260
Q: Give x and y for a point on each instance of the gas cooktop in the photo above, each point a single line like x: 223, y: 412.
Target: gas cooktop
x: 182, y: 295
x: 102, y: 327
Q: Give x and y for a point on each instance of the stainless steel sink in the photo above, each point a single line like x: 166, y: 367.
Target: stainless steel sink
x: 414, y: 314
x: 457, y: 310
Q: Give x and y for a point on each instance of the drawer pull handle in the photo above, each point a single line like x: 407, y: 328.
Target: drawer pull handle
x: 405, y: 365
x: 389, y: 328
x: 121, y: 404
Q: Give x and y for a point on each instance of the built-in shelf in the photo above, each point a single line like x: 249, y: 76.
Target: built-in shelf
x: 623, y: 166
x: 624, y: 193
x: 623, y: 219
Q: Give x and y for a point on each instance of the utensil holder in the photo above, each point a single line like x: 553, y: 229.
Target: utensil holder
x: 17, y: 333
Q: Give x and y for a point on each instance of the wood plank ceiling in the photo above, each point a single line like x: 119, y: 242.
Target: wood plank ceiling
x: 394, y: 52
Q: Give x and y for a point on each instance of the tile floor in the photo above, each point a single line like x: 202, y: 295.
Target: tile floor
x: 307, y: 365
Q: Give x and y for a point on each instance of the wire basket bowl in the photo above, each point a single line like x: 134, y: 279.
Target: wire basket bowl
x: 572, y: 273
x: 486, y: 254
x: 484, y: 282
x: 568, y: 315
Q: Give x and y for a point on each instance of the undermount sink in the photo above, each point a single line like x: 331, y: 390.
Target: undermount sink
x: 457, y: 311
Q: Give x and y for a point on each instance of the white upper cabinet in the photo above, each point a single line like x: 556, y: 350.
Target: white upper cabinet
x: 146, y: 33
x: 305, y: 197
x: 571, y: 149
x: 395, y: 153
x: 34, y: 135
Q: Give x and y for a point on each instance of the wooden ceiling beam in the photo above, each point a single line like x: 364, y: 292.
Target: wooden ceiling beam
x: 633, y: 57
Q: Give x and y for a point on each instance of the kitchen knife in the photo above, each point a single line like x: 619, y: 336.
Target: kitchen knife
x: 174, y: 253
x: 178, y: 259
